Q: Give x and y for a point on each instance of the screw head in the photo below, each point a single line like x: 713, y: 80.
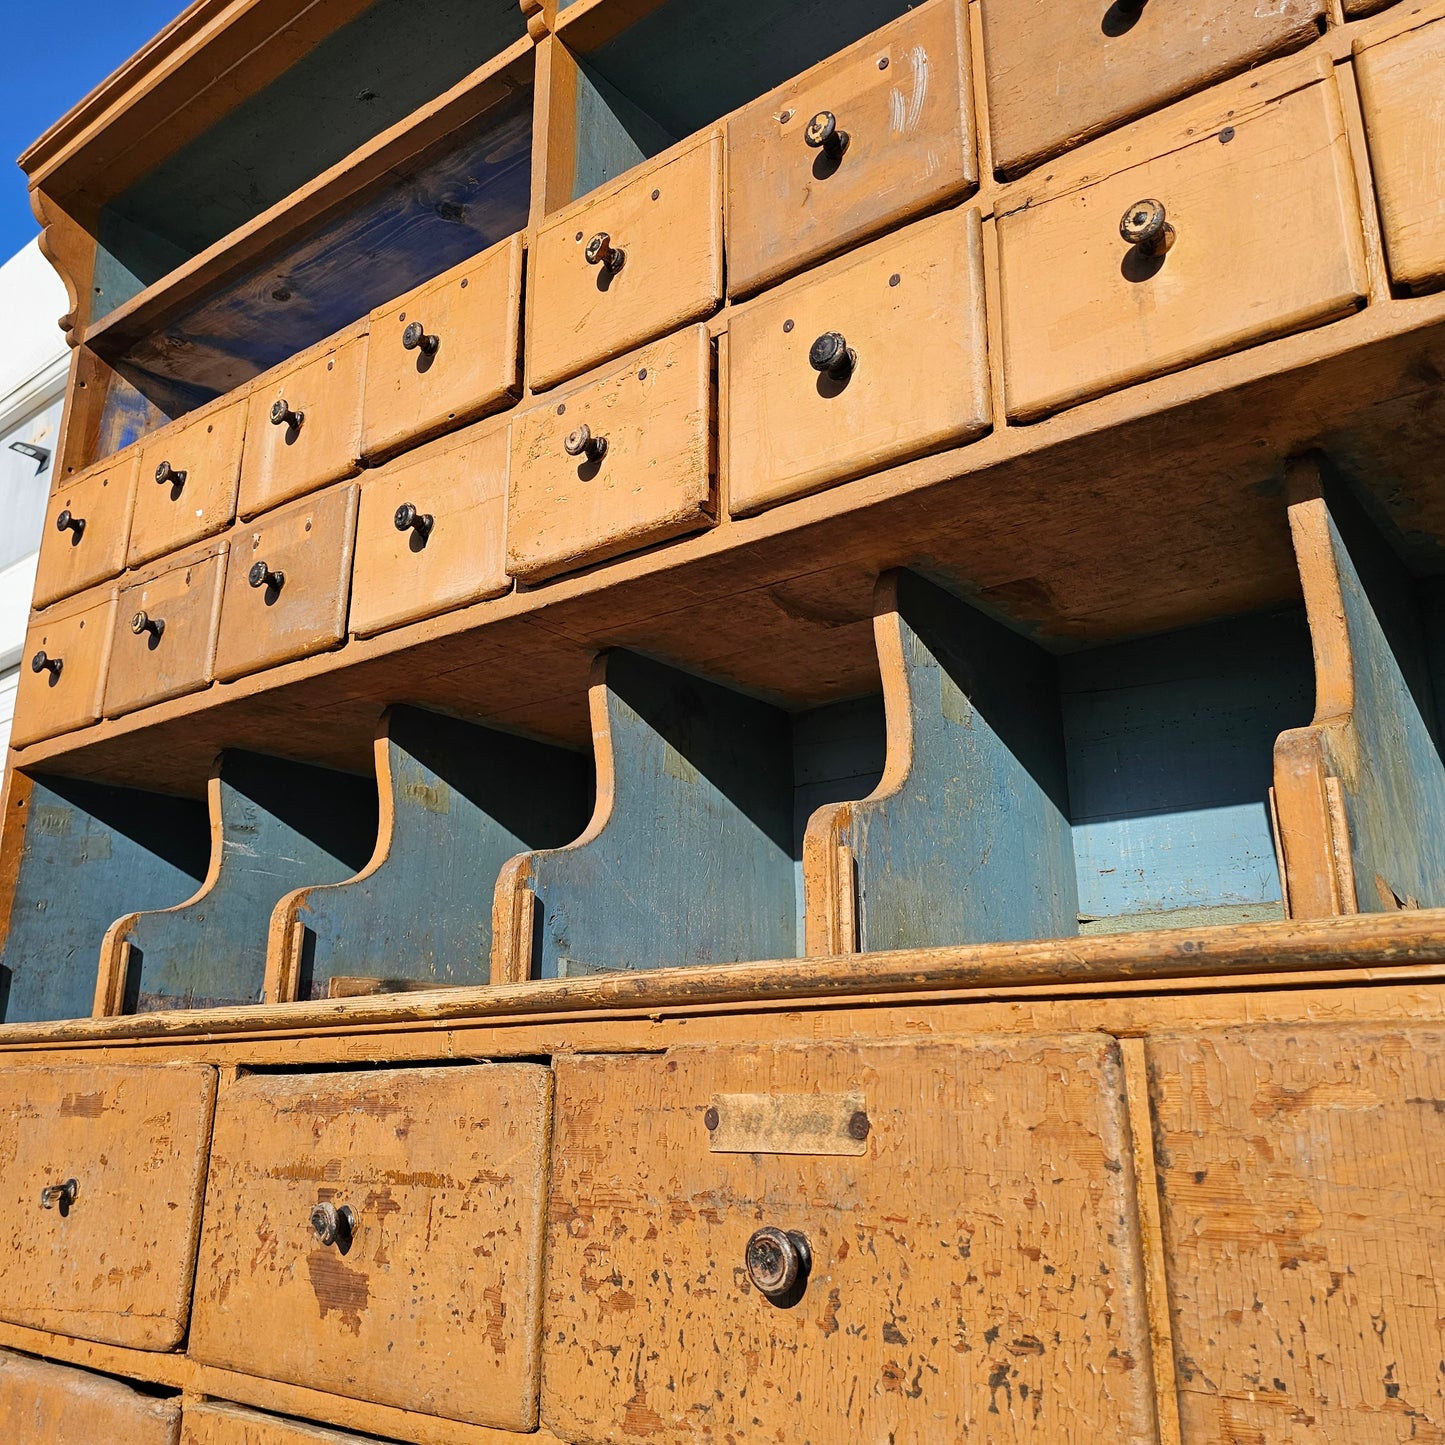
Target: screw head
x: 710, y: 1120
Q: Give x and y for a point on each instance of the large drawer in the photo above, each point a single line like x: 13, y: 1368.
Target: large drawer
x: 44, y: 1404
x: 1266, y: 241
x: 1060, y: 73
x: 303, y: 426
x: 1402, y: 91
x: 100, y: 1198
x: 288, y: 582
x: 628, y: 263
x: 164, y: 634
x: 444, y: 354
x: 969, y: 1211
x: 430, y: 1299
x: 571, y: 504
x: 909, y: 312
x: 62, y: 673
x: 189, y: 473
x: 431, y: 533
x: 903, y: 100
x: 87, y: 527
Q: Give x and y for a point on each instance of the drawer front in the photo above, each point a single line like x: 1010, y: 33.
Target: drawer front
x: 288, y: 581
x: 653, y: 482
x: 303, y: 429
x: 62, y: 673
x: 164, y: 637
x: 1109, y: 64
x: 115, y: 1262
x: 187, y: 487
x: 215, y: 1423
x: 431, y: 533
x: 1267, y: 241
x: 44, y: 1404
x: 909, y: 309
x: 661, y: 231
x: 430, y: 1300
x: 462, y: 360
x: 1402, y: 90
x: 87, y: 528
x: 975, y: 1251
x: 903, y: 100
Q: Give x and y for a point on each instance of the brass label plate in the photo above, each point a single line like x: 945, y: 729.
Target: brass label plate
x: 787, y: 1124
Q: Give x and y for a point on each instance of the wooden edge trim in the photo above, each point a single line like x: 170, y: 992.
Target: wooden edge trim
x: 1319, y: 574
x: 514, y: 909
x: 828, y: 903
x: 114, y: 970
x: 1307, y: 842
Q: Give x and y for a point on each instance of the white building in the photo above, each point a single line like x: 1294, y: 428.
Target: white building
x: 33, y: 363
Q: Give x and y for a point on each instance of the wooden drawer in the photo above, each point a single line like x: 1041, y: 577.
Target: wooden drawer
x: 969, y: 1209
x: 654, y: 481
x: 665, y: 225
x: 216, y: 1423
x: 463, y: 359
x: 1267, y: 242
x: 303, y: 427
x: 268, y: 618
x: 902, y: 97
x: 1058, y: 74
x: 44, y: 1404
x: 430, y: 536
x: 432, y: 1300
x: 62, y: 673
x: 910, y: 310
x: 115, y: 1262
x: 1402, y: 91
x: 164, y: 636
x: 171, y: 513
x: 86, y: 531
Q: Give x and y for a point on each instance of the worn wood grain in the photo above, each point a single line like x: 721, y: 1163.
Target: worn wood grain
x: 45, y: 1404
x: 73, y: 638
x: 212, y: 1422
x: 100, y: 501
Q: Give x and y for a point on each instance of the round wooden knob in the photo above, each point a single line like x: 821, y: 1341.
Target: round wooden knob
x: 282, y: 415
x: 601, y: 252
x: 832, y: 355
x: 67, y: 521
x: 167, y: 475
x: 332, y: 1225
x: 61, y: 1194
x: 777, y: 1260
x: 43, y: 662
x: 408, y: 519
x: 415, y: 338
x: 822, y: 134
x: 1145, y: 225
x: 261, y: 575
x: 581, y: 443
x: 143, y: 622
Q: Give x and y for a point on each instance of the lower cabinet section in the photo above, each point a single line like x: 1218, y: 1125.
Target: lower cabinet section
x: 378, y: 1235
x: 44, y: 1404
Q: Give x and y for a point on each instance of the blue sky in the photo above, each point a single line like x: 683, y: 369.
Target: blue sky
x: 54, y: 54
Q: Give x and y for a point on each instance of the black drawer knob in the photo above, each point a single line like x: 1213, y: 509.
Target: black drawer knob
x: 333, y: 1225
x: 832, y: 355
x: 143, y: 622
x: 282, y: 415
x: 601, y: 252
x: 67, y: 521
x: 261, y: 575
x: 778, y: 1261
x: 43, y: 662
x: 822, y: 134
x: 581, y: 443
x: 415, y: 338
x: 59, y: 1194
x: 408, y: 519
x: 1145, y: 225
x: 167, y: 475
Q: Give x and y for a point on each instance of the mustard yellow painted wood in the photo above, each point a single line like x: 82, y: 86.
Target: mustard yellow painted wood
x: 303, y: 427
x: 45, y: 1404
x: 909, y: 310
x: 112, y: 1260
x: 213, y: 1422
x: 87, y: 526
x: 62, y: 671
x: 164, y: 635
x: 664, y: 222
x: 431, y: 1300
x: 449, y: 549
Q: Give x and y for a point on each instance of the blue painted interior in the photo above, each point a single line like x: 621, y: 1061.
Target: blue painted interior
x: 89, y: 855
x: 366, y: 76
x: 465, y: 799
x: 283, y: 824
